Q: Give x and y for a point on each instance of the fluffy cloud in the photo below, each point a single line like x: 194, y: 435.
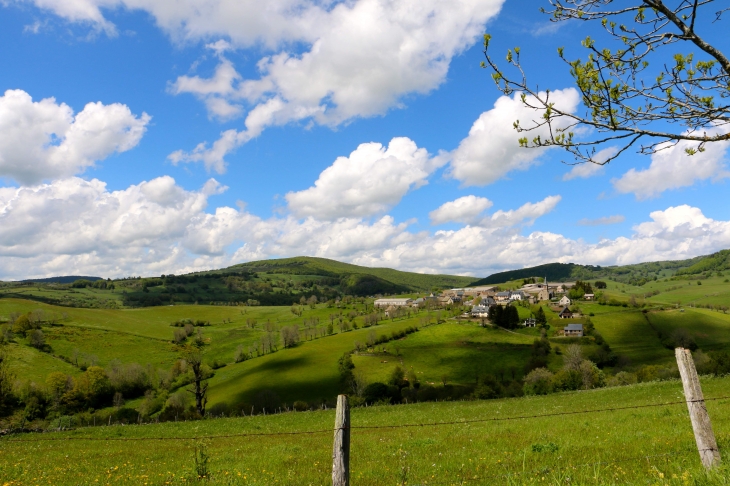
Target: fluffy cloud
x: 491, y: 150
x: 602, y: 221
x: 370, y: 181
x: 45, y: 140
x: 525, y: 214
x: 672, y: 168
x: 463, y: 210
x: 361, y: 58
x: 74, y: 226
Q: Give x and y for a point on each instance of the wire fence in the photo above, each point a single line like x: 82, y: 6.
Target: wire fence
x: 364, y: 427
x: 559, y: 470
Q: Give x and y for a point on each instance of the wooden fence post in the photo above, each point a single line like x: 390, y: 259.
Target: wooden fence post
x: 704, y: 436
x: 341, y: 449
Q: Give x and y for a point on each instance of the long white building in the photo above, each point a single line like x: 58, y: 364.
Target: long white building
x: 387, y: 302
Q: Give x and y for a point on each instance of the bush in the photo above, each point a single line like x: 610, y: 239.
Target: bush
x: 300, y: 406
x: 622, y: 378
x: 376, y: 392
x: 538, y: 382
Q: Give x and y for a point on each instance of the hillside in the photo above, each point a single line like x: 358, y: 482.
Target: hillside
x: 332, y: 268
x: 637, y: 274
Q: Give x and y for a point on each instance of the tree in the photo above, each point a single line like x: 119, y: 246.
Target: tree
x: 540, y: 317
x: 193, y: 356
x: 6, y: 380
x: 627, y: 99
x: 37, y: 339
x: 512, y: 320
x: 573, y: 357
x: 345, y: 367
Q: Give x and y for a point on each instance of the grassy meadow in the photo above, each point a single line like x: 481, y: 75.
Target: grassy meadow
x: 454, y: 352
x: 652, y: 445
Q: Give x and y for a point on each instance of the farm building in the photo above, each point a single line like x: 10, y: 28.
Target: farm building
x: 531, y: 322
x: 573, y: 330
x: 565, y: 313
x: 387, y: 302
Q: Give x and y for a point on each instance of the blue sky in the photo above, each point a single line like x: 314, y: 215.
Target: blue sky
x: 103, y: 104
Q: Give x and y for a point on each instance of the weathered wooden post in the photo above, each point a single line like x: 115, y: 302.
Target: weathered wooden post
x: 341, y: 449
x: 704, y: 436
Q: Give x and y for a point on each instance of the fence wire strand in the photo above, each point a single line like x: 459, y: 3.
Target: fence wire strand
x: 364, y: 427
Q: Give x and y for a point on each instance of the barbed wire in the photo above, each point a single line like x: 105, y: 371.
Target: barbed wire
x: 524, y: 417
x: 365, y: 427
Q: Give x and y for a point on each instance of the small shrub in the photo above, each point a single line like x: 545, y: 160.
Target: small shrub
x: 202, y: 460
x: 549, y: 447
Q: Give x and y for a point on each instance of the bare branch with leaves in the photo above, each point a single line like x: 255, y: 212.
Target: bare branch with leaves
x: 628, y: 100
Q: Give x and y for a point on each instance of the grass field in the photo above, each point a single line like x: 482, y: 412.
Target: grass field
x: 652, y: 445
x: 454, y: 351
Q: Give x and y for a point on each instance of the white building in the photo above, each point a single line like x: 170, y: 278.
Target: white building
x: 565, y: 301
x: 395, y: 302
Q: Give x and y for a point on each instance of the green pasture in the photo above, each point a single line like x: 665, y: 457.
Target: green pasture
x: 457, y: 352
x: 305, y: 372
x: 711, y: 330
x: 651, y: 445
x: 30, y: 364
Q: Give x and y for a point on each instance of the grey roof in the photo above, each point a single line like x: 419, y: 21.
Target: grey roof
x: 574, y: 327
x: 503, y: 294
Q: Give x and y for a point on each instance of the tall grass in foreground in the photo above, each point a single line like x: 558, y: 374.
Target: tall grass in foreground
x: 653, y: 445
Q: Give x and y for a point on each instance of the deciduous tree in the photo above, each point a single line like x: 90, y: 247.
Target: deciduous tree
x: 651, y: 80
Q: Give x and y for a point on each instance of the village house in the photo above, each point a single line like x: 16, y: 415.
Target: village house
x: 544, y: 294
x: 589, y: 296
x: 565, y: 301
x: 488, y: 301
x: 565, y: 313
x: 531, y: 322
x: 394, y: 302
x: 480, y: 311
x: 501, y: 297
x: 447, y: 300
x: 573, y: 330
x: 517, y: 295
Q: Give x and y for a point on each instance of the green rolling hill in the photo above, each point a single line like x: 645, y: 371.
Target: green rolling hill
x: 637, y: 274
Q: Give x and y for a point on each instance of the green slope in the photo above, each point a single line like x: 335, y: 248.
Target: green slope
x: 637, y: 274
x: 331, y: 268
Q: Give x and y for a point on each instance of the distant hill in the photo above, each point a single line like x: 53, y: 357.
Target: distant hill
x: 332, y: 268
x: 65, y: 279
x: 552, y: 271
x: 637, y: 274
x: 716, y: 262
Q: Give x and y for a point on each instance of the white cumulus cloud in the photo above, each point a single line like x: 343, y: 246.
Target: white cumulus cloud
x: 73, y: 226
x: 462, y: 210
x: 370, y: 181
x: 491, y: 150
x: 672, y: 168
x: 45, y: 140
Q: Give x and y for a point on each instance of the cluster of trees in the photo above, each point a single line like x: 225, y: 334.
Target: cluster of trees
x: 579, y: 290
x: 167, y: 393
x: 506, y: 317
x: 577, y: 373
x: 83, y: 283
